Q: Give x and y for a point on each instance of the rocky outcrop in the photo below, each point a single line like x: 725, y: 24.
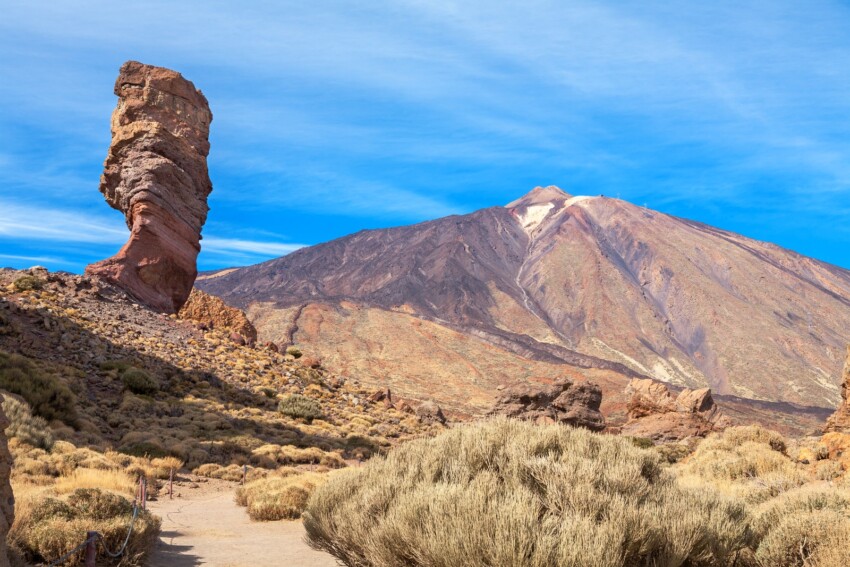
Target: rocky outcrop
x: 430, y: 412
x: 156, y: 174
x: 7, y: 499
x: 657, y: 414
x: 840, y: 420
x: 213, y: 313
x: 565, y: 401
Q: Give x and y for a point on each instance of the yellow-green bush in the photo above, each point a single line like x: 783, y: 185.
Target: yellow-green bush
x: 28, y: 283
x: 298, y: 406
x: 48, y: 396
x: 505, y: 492
x: 47, y: 527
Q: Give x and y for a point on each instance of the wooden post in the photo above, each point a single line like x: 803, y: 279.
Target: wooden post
x: 91, y: 549
x: 171, y: 484
x: 244, y: 474
x: 144, y: 493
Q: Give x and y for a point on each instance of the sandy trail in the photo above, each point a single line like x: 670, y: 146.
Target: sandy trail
x: 203, y: 526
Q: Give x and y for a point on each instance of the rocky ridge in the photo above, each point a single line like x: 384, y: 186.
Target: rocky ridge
x: 156, y: 174
x: 215, y: 402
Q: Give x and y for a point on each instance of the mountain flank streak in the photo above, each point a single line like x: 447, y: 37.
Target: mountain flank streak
x: 156, y: 174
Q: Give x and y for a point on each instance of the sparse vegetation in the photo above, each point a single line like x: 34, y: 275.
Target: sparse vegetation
x: 48, y: 396
x: 511, y: 493
x: 300, y: 407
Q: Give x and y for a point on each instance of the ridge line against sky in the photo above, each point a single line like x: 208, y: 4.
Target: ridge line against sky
x: 339, y: 116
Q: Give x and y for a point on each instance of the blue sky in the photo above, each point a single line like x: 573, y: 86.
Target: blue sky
x: 331, y: 117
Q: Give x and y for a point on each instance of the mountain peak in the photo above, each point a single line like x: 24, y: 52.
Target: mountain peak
x: 539, y: 196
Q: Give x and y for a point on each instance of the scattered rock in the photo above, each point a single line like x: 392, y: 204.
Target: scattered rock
x: 156, y: 174
x: 430, y: 412
x: 564, y: 401
x: 839, y: 422
x: 657, y: 414
x: 210, y: 312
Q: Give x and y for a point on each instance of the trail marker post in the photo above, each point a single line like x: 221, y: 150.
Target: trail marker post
x: 91, y: 549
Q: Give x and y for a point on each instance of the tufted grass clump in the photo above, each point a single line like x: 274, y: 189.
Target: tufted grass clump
x: 46, y: 527
x: 26, y: 427
x: 280, y: 496
x: 46, y: 394
x: 505, y: 492
x: 300, y: 407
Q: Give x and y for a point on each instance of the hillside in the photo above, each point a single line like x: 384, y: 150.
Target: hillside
x: 552, y: 284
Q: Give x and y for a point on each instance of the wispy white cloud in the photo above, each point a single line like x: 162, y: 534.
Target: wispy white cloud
x: 252, y: 247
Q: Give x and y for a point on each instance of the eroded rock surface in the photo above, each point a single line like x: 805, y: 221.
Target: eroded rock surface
x: 840, y: 420
x: 7, y: 500
x: 156, y: 174
x: 565, y: 401
x: 655, y: 413
x: 213, y: 313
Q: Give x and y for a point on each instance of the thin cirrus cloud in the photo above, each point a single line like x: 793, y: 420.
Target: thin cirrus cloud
x: 340, y: 116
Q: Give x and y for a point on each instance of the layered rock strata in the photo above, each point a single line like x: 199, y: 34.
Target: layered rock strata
x: 565, y: 401
x: 657, y: 414
x: 156, y: 174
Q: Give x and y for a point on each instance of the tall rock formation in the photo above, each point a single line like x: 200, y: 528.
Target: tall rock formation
x: 839, y: 422
x: 156, y: 174
x: 7, y: 499
x: 565, y: 401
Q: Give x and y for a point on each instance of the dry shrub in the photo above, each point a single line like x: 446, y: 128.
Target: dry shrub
x: 26, y: 427
x: 165, y: 465
x: 272, y: 456
x: 114, y: 480
x: 746, y: 463
x: 298, y: 406
x: 505, y: 492
x: 46, y: 527
x: 278, y: 497
x: 232, y: 473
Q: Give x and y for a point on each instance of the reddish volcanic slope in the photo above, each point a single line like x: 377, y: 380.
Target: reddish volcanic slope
x: 593, y: 285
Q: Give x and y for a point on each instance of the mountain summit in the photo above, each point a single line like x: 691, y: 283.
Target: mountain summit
x: 554, y: 283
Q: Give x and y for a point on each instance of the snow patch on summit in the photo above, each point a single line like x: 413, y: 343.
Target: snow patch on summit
x: 532, y: 216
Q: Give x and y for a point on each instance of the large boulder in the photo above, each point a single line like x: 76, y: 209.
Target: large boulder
x: 7, y: 499
x: 839, y: 422
x: 213, y: 313
x: 565, y: 401
x: 655, y: 413
x: 156, y: 174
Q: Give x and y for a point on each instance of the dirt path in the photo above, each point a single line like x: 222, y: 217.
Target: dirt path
x: 203, y: 526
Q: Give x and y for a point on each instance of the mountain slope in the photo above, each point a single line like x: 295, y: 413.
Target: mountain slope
x: 591, y: 282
